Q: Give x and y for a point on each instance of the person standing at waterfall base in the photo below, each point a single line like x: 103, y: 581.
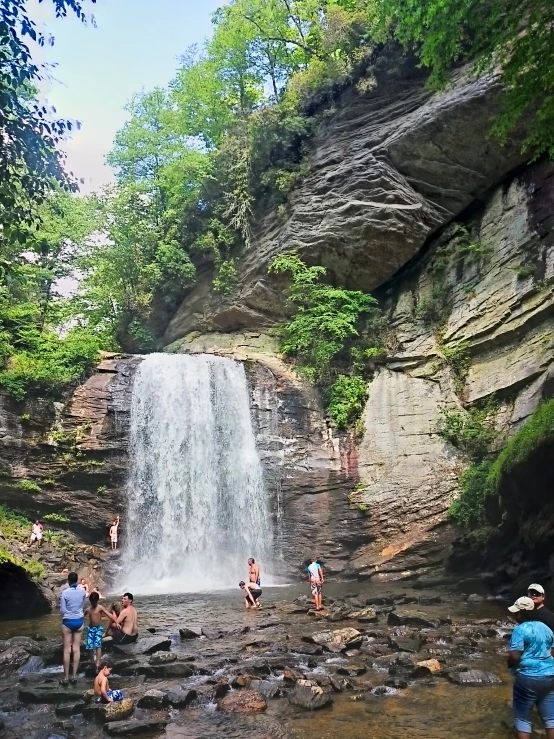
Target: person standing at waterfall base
x: 113, y: 533
x: 71, y: 606
x: 253, y: 592
x: 531, y: 658
x: 315, y: 576
x: 254, y: 572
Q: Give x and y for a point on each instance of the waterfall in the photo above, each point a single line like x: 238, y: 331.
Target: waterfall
x: 197, y: 507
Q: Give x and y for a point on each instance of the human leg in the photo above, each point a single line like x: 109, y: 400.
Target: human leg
x: 67, y: 637
x: 545, y: 706
x: 525, y: 696
x: 76, y: 650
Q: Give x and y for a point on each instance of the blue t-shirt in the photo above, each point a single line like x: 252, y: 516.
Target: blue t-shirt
x: 535, y: 640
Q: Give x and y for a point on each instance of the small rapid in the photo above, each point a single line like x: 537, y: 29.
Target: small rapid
x: 197, y: 505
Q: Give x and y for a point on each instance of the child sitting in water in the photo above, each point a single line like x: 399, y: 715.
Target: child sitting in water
x: 95, y: 628
x: 102, y: 692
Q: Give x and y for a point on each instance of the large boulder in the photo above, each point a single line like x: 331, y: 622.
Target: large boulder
x: 181, y: 698
x: 106, y: 712
x: 153, y: 699
x: 12, y: 659
x: 147, y: 645
x: 473, y: 677
x: 135, y: 728
x: 309, y: 695
x: 342, y: 639
x: 247, y: 701
x: 190, y: 632
x: 410, y: 618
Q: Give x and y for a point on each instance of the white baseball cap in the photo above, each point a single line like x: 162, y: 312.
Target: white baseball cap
x: 537, y: 587
x: 522, y: 604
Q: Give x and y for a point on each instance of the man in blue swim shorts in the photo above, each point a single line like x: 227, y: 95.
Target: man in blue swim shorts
x: 73, y: 616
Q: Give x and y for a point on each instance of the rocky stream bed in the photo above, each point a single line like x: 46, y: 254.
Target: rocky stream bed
x: 376, y: 662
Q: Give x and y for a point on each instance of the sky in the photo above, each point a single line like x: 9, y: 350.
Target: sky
x: 134, y: 46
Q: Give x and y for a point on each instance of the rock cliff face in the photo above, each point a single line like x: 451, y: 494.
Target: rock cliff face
x: 394, y: 178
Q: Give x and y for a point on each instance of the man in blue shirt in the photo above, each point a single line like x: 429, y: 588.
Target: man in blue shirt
x: 530, y: 658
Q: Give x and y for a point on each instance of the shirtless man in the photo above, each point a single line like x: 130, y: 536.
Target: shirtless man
x: 113, y: 533
x: 127, y: 621
x: 251, y: 592
x: 315, y: 576
x: 254, y: 572
x: 102, y: 692
x: 36, y: 533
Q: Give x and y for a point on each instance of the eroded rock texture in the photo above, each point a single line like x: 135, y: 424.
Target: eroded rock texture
x: 387, y: 169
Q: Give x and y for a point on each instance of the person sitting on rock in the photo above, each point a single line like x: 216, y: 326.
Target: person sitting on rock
x: 115, y: 610
x: 541, y: 612
x: 253, y: 592
x: 95, y: 628
x: 531, y: 659
x: 127, y: 622
x: 102, y: 692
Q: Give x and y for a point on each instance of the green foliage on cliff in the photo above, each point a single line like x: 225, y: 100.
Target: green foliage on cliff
x: 475, y: 485
x: 538, y: 430
x: 471, y: 430
x: 14, y: 526
x: 346, y: 400
x: 326, y: 317
x: 513, y: 40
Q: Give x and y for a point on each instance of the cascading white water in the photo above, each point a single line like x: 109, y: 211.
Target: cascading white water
x: 197, y: 507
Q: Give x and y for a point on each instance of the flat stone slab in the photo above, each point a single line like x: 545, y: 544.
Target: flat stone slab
x: 474, y: 677
x: 47, y: 694
x: 148, y: 645
x: 134, y: 728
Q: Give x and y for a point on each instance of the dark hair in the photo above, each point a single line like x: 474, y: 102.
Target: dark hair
x: 94, y: 598
x: 72, y: 578
x: 104, y: 664
x: 252, y: 560
x: 241, y: 584
x: 128, y: 595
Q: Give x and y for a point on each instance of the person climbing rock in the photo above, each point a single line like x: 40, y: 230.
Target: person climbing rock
x: 253, y: 592
x: 83, y: 584
x: 114, y: 528
x: 36, y: 533
x: 71, y: 606
x: 541, y: 613
x: 530, y: 658
x: 95, y: 628
x: 315, y: 577
x: 102, y: 692
x: 254, y: 572
x: 127, y: 622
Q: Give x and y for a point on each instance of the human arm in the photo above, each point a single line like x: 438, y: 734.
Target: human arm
x: 321, y: 574
x: 516, y: 648
x: 249, y: 595
x: 514, y: 657
x: 63, y: 605
x: 116, y: 524
x: 112, y: 618
x: 104, y: 691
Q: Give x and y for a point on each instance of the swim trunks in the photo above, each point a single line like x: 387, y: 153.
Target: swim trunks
x: 94, y: 637
x: 73, y: 624
x: 115, y: 695
x: 316, y: 588
x: 118, y: 637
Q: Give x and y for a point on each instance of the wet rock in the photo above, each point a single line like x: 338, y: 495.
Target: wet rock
x: 248, y: 701
x: 70, y: 709
x: 212, y: 633
x: 268, y: 688
x: 365, y: 615
x: 181, y: 698
x: 242, y: 681
x: 49, y: 694
x: 134, y: 727
x: 405, y: 644
x: 152, y: 699
x: 410, y: 618
x: 190, y: 632
x: 379, y: 601
x: 12, y: 659
x: 162, y: 658
x: 341, y: 638
x: 310, y: 696
x: 291, y: 676
x: 473, y: 677
x: 397, y: 683
x: 124, y: 664
x: 433, y: 665
x: 352, y: 670
x: 223, y: 688
x: 28, y: 644
x: 475, y: 598
x: 430, y: 600
x: 176, y: 669
x: 313, y: 650
x: 149, y: 645
x: 106, y: 712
